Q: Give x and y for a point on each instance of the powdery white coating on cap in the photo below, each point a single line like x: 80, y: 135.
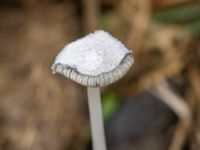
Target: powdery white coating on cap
x: 93, y: 54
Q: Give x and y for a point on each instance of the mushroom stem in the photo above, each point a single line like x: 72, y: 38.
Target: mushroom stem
x: 96, y: 119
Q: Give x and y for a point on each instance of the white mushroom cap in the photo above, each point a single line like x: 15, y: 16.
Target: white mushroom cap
x: 97, y: 59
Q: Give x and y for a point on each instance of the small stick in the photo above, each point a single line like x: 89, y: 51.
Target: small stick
x: 97, y: 127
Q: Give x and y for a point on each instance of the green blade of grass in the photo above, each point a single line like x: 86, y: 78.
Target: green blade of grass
x: 110, y: 105
x: 178, y: 14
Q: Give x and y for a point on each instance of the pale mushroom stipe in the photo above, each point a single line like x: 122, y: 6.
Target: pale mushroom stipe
x: 95, y: 60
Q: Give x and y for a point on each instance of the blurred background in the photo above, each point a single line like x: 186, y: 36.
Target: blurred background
x: 155, y: 106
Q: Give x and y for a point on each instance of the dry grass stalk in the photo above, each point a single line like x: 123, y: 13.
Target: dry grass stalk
x: 91, y: 9
x: 180, y: 108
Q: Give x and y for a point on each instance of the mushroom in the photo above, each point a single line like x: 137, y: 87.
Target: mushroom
x: 95, y: 60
